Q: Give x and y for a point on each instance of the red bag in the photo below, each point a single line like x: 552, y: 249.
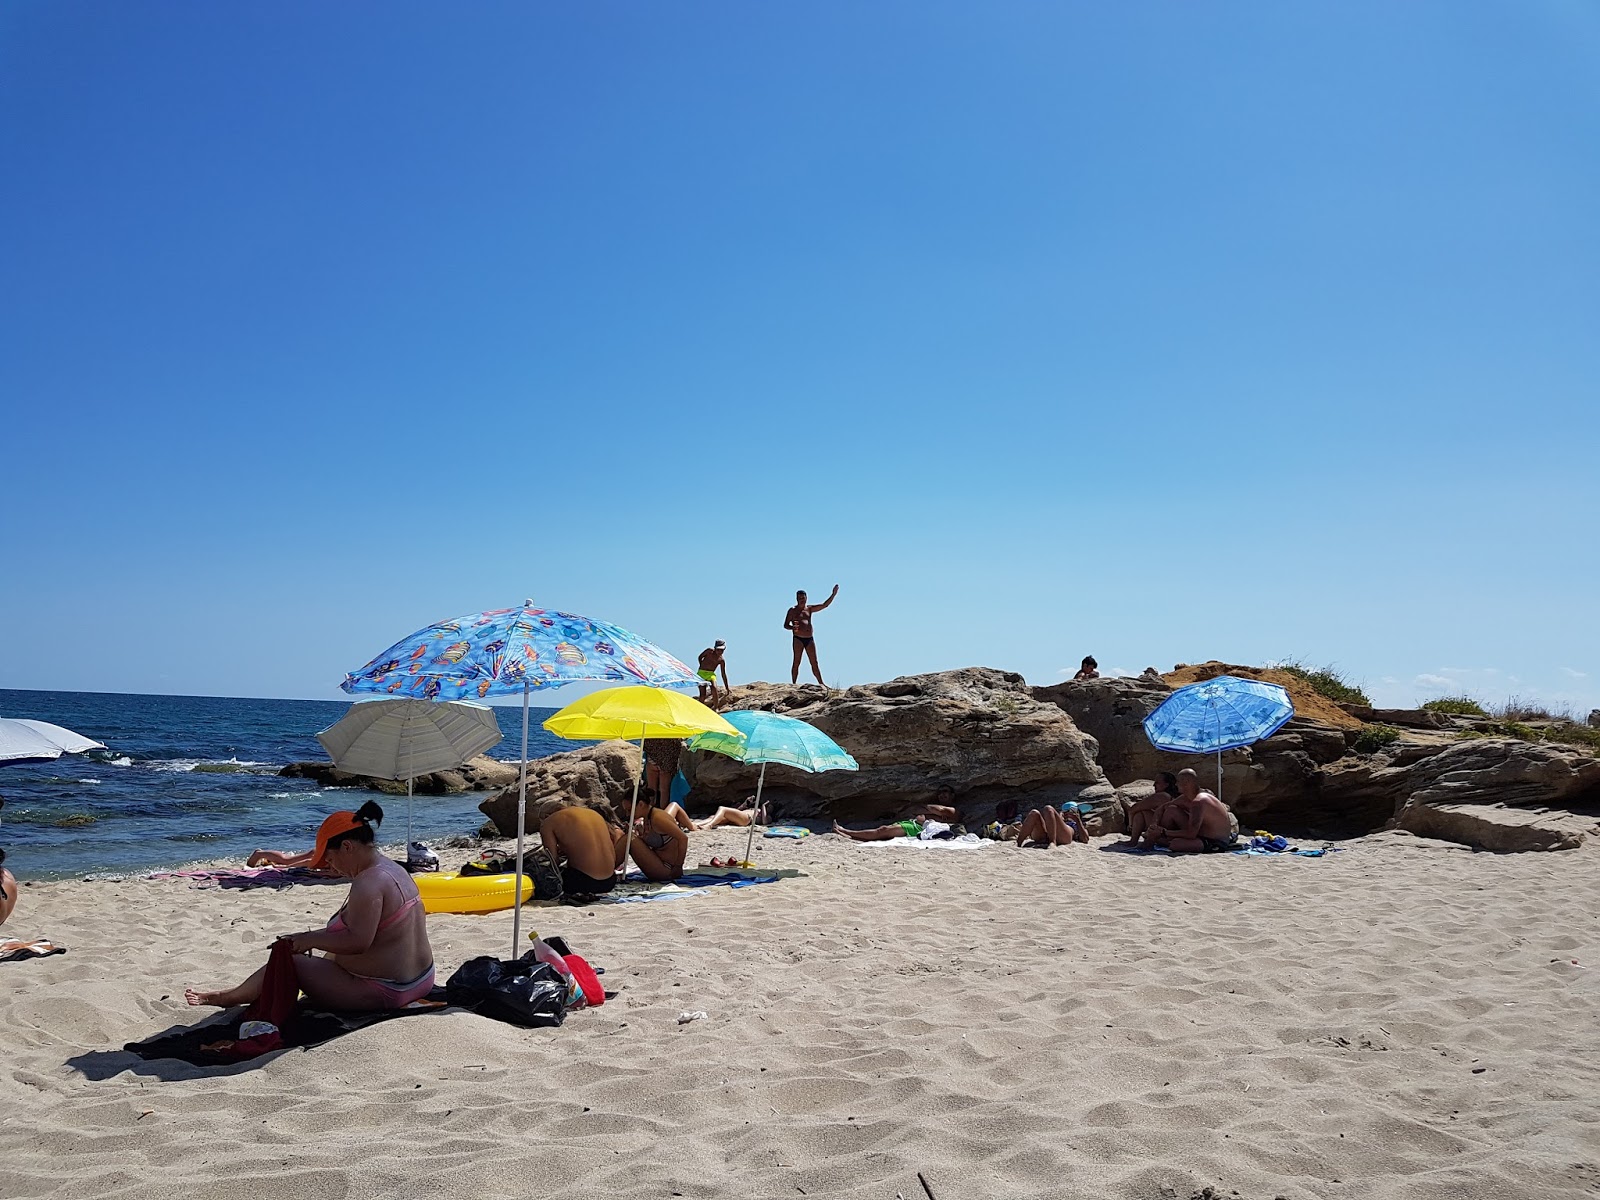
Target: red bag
x: 274, y: 1008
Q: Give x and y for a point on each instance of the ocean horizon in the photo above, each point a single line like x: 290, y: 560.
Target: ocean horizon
x: 187, y: 779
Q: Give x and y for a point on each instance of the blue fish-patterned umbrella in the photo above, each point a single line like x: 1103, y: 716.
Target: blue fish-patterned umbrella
x: 507, y: 651
x: 1216, y: 715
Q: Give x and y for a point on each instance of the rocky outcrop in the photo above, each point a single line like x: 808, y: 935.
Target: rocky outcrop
x: 978, y: 730
x: 1493, y: 793
x: 602, y: 775
x: 1407, y: 718
x: 481, y: 774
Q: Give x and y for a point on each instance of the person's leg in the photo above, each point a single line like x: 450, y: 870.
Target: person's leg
x: 794, y: 667
x: 882, y: 833
x: 1182, y: 845
x: 245, y: 993
x: 1060, y: 831
x: 652, y: 864
x: 329, y: 986
x: 811, y: 656
x: 725, y: 816
x: 1034, y: 828
x: 685, y: 822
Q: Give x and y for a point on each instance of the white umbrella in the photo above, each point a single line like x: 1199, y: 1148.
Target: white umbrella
x: 401, y: 739
x: 40, y: 741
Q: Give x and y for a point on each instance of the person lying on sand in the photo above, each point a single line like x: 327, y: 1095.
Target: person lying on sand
x: 941, y: 808
x: 1046, y: 827
x: 586, y: 846
x: 921, y: 828
x: 376, y: 950
x: 1196, y: 823
x: 302, y: 858
x: 1143, y: 813
x: 659, y: 844
x: 735, y: 816
x: 8, y: 890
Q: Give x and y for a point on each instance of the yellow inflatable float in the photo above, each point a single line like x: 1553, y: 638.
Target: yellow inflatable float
x: 452, y: 892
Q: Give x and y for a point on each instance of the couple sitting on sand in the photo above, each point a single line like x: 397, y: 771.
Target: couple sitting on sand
x: 1182, y: 817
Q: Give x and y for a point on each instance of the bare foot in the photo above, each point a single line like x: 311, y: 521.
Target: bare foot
x: 213, y: 999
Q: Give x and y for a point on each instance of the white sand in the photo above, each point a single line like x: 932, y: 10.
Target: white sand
x: 1402, y: 1019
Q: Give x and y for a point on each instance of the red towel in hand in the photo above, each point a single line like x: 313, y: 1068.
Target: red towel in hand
x: 280, y: 991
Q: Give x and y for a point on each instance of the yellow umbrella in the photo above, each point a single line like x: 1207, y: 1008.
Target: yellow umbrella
x: 635, y: 713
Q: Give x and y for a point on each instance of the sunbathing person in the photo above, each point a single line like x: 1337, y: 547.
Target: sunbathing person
x: 659, y: 844
x: 922, y: 828
x: 1046, y: 827
x: 586, y: 846
x: 8, y: 890
x: 741, y: 817
x: 302, y: 858
x: 1198, y: 822
x: 1143, y: 813
x: 376, y: 951
x: 942, y: 807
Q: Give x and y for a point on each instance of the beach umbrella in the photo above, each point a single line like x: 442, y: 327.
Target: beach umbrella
x: 636, y: 712
x: 505, y: 651
x: 774, y: 738
x: 23, y: 741
x: 1216, y: 715
x: 401, y: 739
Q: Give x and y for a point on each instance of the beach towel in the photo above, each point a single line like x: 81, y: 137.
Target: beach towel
x: 245, y: 878
x: 787, y: 831
x: 16, y: 949
x: 636, y: 889
x: 967, y: 841
x: 209, y: 1043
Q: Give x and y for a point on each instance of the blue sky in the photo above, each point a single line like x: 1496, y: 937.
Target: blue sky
x: 1160, y: 332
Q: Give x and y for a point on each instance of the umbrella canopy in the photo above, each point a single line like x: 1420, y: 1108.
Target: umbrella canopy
x: 636, y: 712
x: 773, y: 738
x: 509, y: 650
x: 401, y: 739
x: 39, y: 741
x: 1218, y: 714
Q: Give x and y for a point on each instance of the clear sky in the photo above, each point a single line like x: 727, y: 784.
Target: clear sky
x: 1160, y: 332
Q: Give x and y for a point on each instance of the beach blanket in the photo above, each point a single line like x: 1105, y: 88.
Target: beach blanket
x: 787, y: 831
x: 636, y: 889
x: 209, y: 1044
x: 1247, y: 851
x: 17, y: 949
x: 244, y: 878
x: 967, y: 841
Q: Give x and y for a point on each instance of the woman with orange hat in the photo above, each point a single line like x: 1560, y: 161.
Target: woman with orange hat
x: 375, y: 950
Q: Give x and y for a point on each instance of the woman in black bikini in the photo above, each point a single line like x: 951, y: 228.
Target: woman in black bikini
x: 798, y: 622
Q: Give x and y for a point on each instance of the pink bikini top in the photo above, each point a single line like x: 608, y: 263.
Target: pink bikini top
x: 338, y: 926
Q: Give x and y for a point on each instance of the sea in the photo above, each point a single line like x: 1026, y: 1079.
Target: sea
x: 187, y: 779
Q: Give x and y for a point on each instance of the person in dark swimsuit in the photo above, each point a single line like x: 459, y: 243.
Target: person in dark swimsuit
x: 798, y: 622
x: 659, y: 844
x: 377, y: 954
x: 585, y: 846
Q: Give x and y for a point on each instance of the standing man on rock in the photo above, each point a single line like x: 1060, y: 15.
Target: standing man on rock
x: 798, y: 622
x: 710, y: 659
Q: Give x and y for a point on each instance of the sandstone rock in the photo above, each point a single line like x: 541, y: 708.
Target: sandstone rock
x: 1405, y: 718
x: 480, y: 774
x: 1496, y: 827
x: 978, y: 730
x: 601, y: 775
x: 1506, y: 771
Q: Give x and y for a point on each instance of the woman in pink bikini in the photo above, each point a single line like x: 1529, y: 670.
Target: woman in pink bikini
x: 375, y: 950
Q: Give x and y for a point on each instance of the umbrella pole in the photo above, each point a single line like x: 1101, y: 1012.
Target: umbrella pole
x: 410, y: 779
x: 1219, y: 774
x: 750, y: 839
x: 522, y: 821
x: 633, y: 807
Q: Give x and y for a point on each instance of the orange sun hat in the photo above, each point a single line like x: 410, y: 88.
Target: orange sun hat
x: 332, y: 826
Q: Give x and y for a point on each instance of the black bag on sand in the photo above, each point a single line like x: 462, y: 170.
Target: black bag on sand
x: 522, y: 992
x: 537, y: 866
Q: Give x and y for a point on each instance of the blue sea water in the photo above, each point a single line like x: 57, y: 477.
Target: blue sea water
x: 194, y: 778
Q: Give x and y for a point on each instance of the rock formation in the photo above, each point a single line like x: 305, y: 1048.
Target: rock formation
x: 480, y: 774
x: 601, y: 775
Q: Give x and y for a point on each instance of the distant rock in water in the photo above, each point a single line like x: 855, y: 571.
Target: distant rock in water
x: 481, y: 774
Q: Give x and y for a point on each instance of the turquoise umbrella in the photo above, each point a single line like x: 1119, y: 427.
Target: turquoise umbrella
x: 771, y: 738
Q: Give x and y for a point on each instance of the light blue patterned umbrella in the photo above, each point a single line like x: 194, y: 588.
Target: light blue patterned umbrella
x: 1216, y: 715
x: 509, y: 650
x: 773, y: 738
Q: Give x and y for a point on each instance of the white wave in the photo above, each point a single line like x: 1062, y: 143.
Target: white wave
x: 124, y: 761
x: 87, y: 781
x: 197, y: 764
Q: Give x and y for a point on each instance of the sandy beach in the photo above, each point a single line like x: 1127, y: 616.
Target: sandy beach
x: 1402, y: 1018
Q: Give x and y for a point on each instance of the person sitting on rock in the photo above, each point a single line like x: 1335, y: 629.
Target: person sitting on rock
x: 1196, y: 823
x: 1088, y: 670
x: 922, y: 828
x: 1046, y: 827
x: 1143, y: 813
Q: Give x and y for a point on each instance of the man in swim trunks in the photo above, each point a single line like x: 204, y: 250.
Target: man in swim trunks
x: 916, y: 827
x: 798, y: 622
x: 710, y: 660
x: 1196, y: 823
x: 585, y: 846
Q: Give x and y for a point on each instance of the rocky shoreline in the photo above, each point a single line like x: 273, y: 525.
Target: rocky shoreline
x: 991, y: 737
